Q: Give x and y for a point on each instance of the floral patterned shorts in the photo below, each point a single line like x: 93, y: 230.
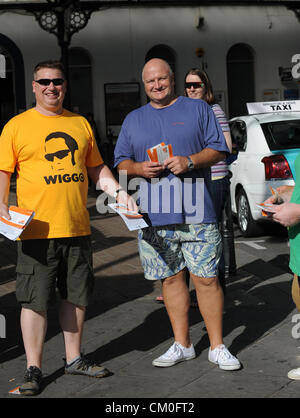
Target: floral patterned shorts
x: 166, y: 250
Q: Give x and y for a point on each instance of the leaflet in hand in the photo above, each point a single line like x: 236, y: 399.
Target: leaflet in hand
x: 160, y: 152
x: 278, y: 199
x: 14, y: 227
x: 133, y: 220
x: 267, y: 208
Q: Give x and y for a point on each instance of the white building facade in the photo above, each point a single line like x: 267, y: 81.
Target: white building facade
x: 245, y: 49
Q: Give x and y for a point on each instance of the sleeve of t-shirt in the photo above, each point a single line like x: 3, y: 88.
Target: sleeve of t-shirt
x: 7, y: 151
x: 221, y: 117
x: 93, y: 158
x: 296, y: 192
x: 123, y: 146
x: 211, y: 129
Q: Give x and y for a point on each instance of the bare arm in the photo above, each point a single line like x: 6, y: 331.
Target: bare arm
x: 287, y: 214
x: 102, y: 175
x: 4, y: 190
x: 207, y: 157
x: 145, y: 169
x: 203, y: 159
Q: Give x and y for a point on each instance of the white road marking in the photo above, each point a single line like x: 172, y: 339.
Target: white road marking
x: 253, y: 244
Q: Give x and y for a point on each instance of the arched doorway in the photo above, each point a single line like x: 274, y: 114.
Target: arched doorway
x: 12, y: 87
x: 164, y: 52
x: 240, y: 78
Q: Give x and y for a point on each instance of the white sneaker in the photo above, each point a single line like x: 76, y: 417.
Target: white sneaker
x: 175, y: 354
x: 294, y: 374
x: 221, y: 356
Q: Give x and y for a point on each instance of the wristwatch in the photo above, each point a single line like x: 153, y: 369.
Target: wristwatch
x: 190, y: 164
x: 117, y: 192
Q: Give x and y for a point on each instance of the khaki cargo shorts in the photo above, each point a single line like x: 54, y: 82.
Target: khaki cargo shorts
x: 46, y: 264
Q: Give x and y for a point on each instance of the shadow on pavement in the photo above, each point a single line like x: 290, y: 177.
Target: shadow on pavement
x: 260, y: 306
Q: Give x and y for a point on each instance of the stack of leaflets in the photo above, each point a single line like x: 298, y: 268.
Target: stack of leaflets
x: 133, y: 220
x: 160, y: 152
x: 266, y: 208
x: 19, y: 219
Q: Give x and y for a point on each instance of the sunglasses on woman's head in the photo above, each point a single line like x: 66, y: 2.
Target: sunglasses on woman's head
x: 194, y: 84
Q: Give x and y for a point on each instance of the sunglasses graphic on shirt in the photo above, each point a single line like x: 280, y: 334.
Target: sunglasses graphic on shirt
x: 58, y: 154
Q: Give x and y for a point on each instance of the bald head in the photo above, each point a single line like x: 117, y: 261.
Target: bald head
x: 159, y: 82
x: 156, y: 62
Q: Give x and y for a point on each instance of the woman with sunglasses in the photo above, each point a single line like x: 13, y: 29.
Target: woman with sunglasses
x: 197, y: 85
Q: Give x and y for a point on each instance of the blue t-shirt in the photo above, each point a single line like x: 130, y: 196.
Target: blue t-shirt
x: 189, y: 126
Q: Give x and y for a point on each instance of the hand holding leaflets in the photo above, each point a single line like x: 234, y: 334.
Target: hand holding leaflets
x: 19, y: 219
x: 267, y: 209
x: 270, y: 206
x: 161, y: 157
x: 157, y: 156
x: 132, y: 219
x: 160, y: 153
x: 279, y: 207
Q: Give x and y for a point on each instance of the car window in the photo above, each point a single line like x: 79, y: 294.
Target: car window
x: 283, y: 134
x: 238, y: 132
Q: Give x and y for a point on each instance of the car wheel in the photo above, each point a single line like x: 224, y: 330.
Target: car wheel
x: 246, y: 223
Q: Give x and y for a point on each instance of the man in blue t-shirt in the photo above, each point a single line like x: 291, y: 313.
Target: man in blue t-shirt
x: 175, y: 197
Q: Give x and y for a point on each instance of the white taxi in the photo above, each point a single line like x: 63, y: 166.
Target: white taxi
x: 268, y: 141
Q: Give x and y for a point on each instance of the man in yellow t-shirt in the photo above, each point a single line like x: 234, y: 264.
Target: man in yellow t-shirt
x: 53, y: 152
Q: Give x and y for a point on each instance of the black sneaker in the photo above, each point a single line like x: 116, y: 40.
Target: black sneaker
x: 86, y: 367
x: 32, y: 381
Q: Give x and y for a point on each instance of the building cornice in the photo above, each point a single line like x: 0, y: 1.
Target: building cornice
x: 99, y: 4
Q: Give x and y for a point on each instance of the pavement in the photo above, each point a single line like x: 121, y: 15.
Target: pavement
x: 125, y: 329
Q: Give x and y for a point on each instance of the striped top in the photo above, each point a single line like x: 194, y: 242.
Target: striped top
x: 220, y: 169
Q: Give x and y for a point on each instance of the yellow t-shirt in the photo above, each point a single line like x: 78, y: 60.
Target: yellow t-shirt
x: 50, y: 154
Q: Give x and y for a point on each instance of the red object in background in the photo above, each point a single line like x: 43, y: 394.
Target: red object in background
x: 277, y: 167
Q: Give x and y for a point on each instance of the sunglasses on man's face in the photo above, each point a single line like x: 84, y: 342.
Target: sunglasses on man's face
x: 194, y: 84
x: 48, y: 81
x: 59, y: 154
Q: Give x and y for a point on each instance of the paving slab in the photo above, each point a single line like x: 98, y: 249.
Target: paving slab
x: 125, y: 329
